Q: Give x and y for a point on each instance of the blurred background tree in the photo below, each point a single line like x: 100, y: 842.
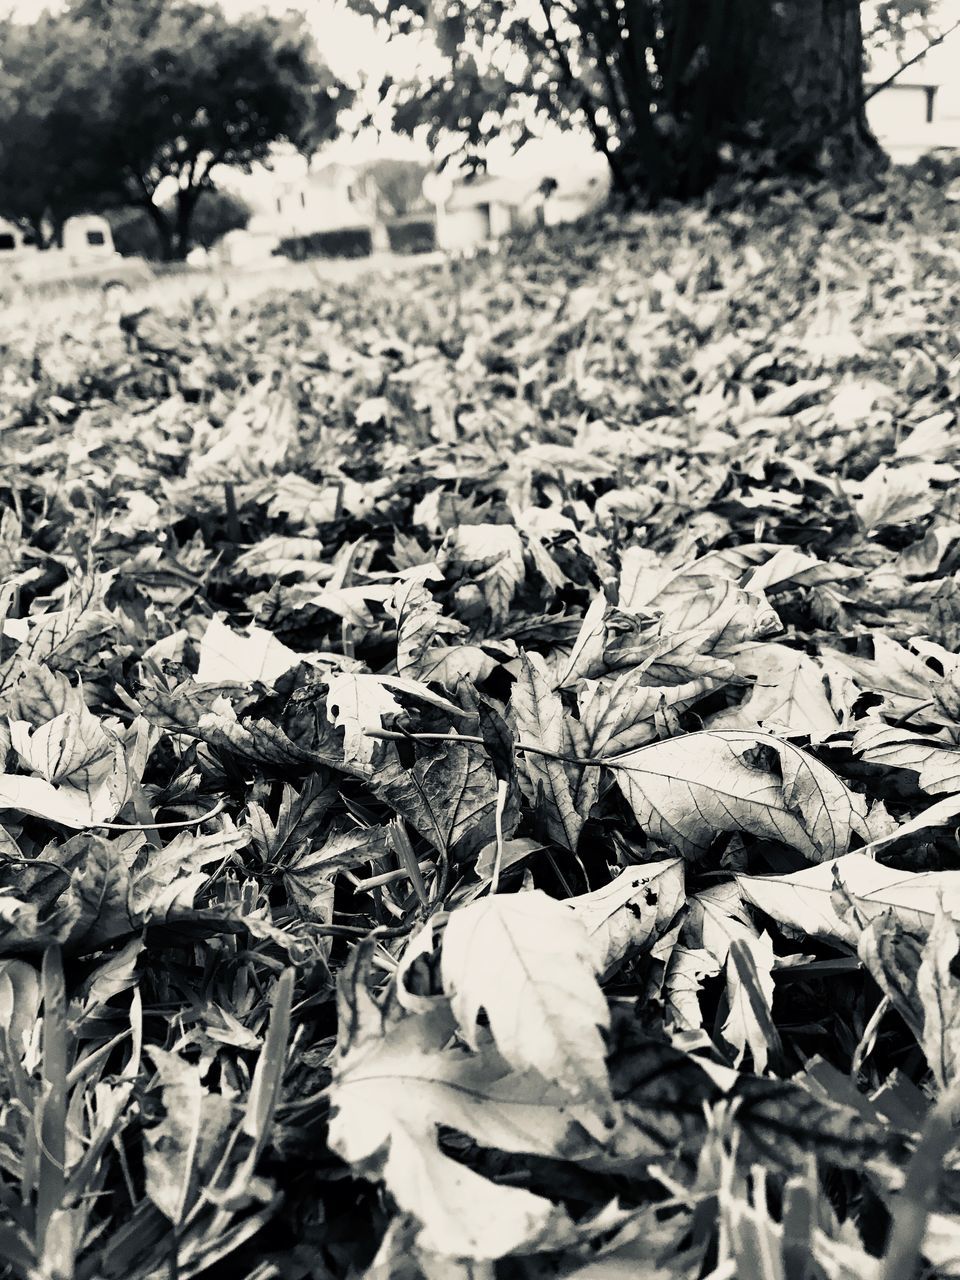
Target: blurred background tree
x: 672, y: 91
x: 216, y: 213
x: 400, y: 185
x: 137, y: 103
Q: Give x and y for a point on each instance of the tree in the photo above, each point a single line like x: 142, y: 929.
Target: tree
x: 400, y: 185
x: 162, y: 94
x: 670, y: 90
x: 216, y: 213
x: 51, y: 102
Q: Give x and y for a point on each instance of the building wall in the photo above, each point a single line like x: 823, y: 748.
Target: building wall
x: 899, y: 109
x: 463, y: 228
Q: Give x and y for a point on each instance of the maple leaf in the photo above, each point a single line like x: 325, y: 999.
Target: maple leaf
x: 309, y: 876
x: 895, y: 495
x: 939, y: 996
x: 182, y: 1151
x: 541, y: 721
x: 87, y: 769
x: 420, y: 622
x: 392, y: 1134
x: 935, y: 762
x: 715, y: 918
x: 627, y: 712
x: 805, y: 900
x: 787, y: 697
x: 226, y: 656
x: 298, y: 817
x: 687, y: 790
x: 493, y: 555
x: 528, y: 962
x: 356, y: 703
x: 903, y: 681
x: 749, y: 1023
x: 631, y: 912
x: 449, y: 793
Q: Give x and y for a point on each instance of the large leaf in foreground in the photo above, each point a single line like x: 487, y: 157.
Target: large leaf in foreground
x: 687, y: 790
x: 527, y: 961
x: 395, y: 1080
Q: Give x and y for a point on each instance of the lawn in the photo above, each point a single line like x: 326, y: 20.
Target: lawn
x: 480, y: 763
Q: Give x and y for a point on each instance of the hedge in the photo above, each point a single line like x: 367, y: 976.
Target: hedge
x: 345, y: 242
x: 412, y: 235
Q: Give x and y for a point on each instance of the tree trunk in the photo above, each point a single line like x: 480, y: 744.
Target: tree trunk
x: 162, y: 226
x: 807, y: 88
x: 777, y: 85
x: 186, y: 202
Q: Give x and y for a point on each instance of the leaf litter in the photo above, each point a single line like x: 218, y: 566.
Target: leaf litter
x: 479, y: 765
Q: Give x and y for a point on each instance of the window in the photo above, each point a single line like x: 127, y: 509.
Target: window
x: 96, y: 238
x: 303, y: 199
x: 279, y: 205
x: 7, y: 241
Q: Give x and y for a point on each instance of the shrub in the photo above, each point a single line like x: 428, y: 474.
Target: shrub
x: 345, y: 242
x: 412, y: 235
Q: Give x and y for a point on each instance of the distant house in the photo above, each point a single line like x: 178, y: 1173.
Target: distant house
x: 325, y: 197
x: 481, y: 210
x: 570, y: 193
x: 87, y: 235
x: 486, y: 209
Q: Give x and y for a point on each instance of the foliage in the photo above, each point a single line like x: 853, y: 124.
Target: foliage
x: 128, y: 99
x: 216, y: 213
x: 51, y: 100
x: 480, y: 761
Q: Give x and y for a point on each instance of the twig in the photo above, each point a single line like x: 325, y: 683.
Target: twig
x: 470, y: 739
x: 885, y: 84
x: 154, y: 826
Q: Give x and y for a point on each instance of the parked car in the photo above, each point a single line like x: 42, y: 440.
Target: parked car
x: 88, y: 258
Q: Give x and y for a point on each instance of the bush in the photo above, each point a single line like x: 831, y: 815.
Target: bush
x: 412, y: 235
x: 134, y: 235
x: 345, y: 242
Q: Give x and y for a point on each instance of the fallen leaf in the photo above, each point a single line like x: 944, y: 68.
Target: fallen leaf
x: 687, y: 790
x: 528, y: 962
x: 804, y: 900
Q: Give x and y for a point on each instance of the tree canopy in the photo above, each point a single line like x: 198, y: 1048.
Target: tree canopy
x: 133, y: 102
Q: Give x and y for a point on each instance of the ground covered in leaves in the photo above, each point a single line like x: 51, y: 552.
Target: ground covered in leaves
x: 480, y: 761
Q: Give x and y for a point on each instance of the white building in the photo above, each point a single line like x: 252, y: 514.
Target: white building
x: 323, y: 197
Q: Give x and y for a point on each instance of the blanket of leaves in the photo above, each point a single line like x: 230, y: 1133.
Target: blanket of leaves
x: 480, y: 762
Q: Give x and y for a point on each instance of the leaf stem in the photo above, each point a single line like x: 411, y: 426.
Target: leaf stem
x: 472, y: 739
x: 155, y: 826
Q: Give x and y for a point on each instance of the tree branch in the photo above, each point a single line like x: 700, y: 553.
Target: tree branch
x: 885, y: 84
x: 600, y: 136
